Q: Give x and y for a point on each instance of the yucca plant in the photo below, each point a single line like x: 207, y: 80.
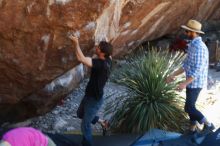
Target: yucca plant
x: 150, y: 102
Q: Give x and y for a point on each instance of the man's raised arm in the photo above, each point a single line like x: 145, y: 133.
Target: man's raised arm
x: 79, y: 54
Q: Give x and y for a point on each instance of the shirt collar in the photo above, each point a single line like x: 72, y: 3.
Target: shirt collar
x: 198, y: 38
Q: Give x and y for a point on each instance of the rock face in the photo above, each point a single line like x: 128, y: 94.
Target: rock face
x: 34, y: 49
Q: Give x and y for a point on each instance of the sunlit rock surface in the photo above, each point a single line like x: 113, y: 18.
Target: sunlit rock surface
x: 35, y: 51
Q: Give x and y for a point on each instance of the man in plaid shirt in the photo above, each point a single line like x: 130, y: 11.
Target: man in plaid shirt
x: 196, y: 68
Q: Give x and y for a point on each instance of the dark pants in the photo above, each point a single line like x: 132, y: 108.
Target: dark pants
x: 87, y: 111
x: 191, y: 98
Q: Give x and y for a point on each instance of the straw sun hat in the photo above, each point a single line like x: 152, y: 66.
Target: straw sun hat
x: 193, y: 25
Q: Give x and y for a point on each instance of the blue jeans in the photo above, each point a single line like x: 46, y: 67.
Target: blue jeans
x: 191, y: 98
x: 87, y: 111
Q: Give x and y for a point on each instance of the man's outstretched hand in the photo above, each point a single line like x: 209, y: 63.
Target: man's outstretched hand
x: 170, y: 79
x: 181, y: 86
x: 74, y: 39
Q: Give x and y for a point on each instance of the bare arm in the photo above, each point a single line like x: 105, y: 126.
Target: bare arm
x: 79, y: 54
x: 171, y: 77
x: 178, y: 72
x: 183, y: 85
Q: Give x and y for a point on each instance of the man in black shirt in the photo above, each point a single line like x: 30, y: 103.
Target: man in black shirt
x: 92, y: 101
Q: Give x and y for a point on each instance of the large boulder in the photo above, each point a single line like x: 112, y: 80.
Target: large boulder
x: 35, y: 51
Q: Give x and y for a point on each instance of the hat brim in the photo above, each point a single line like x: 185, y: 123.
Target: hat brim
x: 190, y: 29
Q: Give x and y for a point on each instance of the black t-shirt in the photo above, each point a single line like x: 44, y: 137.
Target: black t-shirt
x: 99, y: 75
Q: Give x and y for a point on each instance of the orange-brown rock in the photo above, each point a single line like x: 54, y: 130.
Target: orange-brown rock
x: 34, y: 49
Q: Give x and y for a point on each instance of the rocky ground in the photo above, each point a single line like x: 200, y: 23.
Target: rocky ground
x: 63, y: 117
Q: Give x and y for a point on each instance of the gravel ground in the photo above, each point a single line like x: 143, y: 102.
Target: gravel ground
x: 63, y: 117
x: 210, y: 100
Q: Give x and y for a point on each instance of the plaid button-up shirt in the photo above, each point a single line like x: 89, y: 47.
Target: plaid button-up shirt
x: 196, y: 63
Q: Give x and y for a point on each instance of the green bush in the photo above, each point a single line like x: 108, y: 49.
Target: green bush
x: 150, y: 102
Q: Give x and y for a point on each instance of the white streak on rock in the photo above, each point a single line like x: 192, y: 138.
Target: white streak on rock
x: 29, y: 7
x: 50, y: 2
x: 50, y: 87
x: 64, y: 81
x: 126, y: 25
x: 131, y: 43
x: 63, y: 2
x: 46, y: 39
x: 153, y: 28
x: 153, y: 13
x: 134, y: 31
x: 71, y: 77
x: 125, y: 32
x: 137, y: 1
x: 108, y: 23
x: 90, y: 26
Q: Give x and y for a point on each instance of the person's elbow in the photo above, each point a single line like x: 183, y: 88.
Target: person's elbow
x: 80, y: 58
x: 86, y: 61
x: 196, y: 72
